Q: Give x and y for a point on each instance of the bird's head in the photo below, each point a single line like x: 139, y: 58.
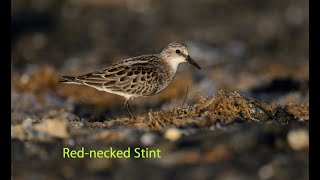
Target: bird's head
x: 176, y: 53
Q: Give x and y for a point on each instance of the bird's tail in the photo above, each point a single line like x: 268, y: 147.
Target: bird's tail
x: 69, y: 80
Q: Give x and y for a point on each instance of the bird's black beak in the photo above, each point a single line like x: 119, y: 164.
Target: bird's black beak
x: 191, y: 61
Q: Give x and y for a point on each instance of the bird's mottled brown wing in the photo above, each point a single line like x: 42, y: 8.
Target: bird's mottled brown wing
x: 137, y: 78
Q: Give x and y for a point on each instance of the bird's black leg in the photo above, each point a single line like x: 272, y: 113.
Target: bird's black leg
x: 127, y: 107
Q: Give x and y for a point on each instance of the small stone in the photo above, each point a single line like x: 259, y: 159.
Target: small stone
x: 266, y: 171
x: 25, y: 79
x: 26, y: 124
x: 53, y: 127
x: 17, y: 132
x: 298, y: 139
x: 172, y: 134
x: 148, y: 139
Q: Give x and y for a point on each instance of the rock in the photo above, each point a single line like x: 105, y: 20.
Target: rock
x: 298, y: 139
x: 148, y: 139
x: 17, y: 132
x: 53, y: 127
x: 26, y: 124
x: 172, y: 134
x: 266, y: 171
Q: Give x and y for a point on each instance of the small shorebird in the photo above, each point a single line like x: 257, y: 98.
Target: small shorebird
x: 144, y: 75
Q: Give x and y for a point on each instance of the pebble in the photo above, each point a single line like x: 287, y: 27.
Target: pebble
x: 148, y: 139
x: 266, y: 171
x: 27, y: 123
x: 298, y: 139
x: 172, y: 134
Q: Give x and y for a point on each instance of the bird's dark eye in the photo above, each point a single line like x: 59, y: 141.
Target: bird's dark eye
x: 177, y: 51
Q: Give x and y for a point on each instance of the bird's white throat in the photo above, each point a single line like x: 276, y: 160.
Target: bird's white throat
x: 175, y: 61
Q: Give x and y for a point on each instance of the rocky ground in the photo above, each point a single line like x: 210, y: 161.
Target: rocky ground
x: 244, y: 115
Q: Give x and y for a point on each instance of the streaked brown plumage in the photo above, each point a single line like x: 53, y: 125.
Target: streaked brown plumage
x: 144, y: 75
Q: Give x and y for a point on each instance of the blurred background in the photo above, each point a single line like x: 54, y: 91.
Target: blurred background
x: 257, y: 48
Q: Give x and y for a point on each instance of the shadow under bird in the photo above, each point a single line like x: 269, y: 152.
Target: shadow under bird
x: 144, y: 75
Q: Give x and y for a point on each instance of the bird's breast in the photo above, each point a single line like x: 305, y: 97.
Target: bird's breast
x: 165, y: 80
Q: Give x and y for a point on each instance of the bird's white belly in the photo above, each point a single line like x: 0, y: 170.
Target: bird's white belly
x: 125, y: 95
